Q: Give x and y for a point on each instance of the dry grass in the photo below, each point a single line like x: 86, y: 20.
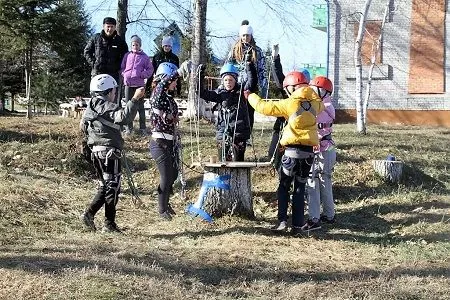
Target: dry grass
x: 390, y: 242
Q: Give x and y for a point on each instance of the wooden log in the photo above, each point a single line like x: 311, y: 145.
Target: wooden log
x: 389, y: 169
x: 238, y: 199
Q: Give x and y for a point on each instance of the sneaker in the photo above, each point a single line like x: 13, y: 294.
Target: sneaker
x: 170, y: 210
x: 88, y: 220
x: 111, y: 228
x: 166, y: 216
x: 280, y: 226
x: 310, y: 225
x: 325, y: 219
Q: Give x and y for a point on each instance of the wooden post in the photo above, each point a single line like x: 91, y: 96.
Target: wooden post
x: 389, y: 169
x: 236, y: 201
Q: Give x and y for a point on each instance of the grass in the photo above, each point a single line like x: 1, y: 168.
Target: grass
x: 391, y: 241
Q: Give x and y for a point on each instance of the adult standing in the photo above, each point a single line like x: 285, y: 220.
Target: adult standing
x: 165, y: 55
x: 247, y: 44
x: 105, y: 50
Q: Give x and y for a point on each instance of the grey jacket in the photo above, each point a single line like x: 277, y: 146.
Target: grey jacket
x: 102, y: 119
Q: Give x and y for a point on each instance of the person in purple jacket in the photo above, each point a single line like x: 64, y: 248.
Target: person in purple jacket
x: 136, y: 69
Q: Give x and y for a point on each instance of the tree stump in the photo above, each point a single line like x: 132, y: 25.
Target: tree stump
x: 238, y: 199
x: 389, y: 169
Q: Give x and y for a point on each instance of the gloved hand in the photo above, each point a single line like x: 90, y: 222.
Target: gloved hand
x: 275, y: 50
x: 185, y: 68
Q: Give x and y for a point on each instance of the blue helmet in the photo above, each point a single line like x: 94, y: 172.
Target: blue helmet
x: 229, y: 68
x: 306, y: 73
x: 165, y: 69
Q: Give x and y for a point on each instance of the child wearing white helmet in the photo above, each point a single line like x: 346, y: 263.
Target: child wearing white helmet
x: 164, y: 138
x: 101, y: 123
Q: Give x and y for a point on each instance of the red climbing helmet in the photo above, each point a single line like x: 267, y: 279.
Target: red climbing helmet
x: 322, y: 82
x: 294, y: 78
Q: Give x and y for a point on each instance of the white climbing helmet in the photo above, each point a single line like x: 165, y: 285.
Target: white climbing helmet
x: 102, y: 82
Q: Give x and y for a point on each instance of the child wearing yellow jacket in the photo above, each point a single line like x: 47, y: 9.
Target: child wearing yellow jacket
x: 298, y: 138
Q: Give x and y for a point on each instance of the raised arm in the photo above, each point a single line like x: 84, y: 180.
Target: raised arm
x: 275, y: 107
x: 207, y: 95
x: 261, y: 69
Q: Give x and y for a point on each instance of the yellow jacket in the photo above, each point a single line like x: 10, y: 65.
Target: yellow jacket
x: 300, y: 109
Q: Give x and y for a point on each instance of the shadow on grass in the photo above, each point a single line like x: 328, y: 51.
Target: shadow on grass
x: 10, y: 136
x: 364, y: 225
x: 163, y: 266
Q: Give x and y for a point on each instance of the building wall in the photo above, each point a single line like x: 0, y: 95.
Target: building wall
x: 390, y: 85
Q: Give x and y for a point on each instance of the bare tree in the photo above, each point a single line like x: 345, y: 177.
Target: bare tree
x: 360, y: 124
x: 197, y: 53
x: 375, y: 52
x: 122, y: 13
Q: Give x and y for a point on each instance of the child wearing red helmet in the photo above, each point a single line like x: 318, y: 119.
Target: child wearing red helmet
x: 299, y: 137
x: 320, y: 185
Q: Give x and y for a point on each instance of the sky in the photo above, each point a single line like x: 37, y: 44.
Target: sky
x: 290, y: 27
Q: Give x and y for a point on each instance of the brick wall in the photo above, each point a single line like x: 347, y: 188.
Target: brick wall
x: 426, y: 61
x: 390, y: 87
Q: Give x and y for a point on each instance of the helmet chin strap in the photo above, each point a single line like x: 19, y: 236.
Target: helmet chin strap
x: 287, y: 91
x: 317, y: 90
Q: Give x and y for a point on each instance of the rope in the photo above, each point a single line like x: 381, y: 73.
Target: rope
x: 267, y: 91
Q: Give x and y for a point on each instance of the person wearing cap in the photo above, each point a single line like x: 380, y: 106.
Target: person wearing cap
x: 136, y: 69
x: 101, y: 126
x: 166, y: 55
x: 105, y: 50
x: 247, y: 44
x: 233, y: 125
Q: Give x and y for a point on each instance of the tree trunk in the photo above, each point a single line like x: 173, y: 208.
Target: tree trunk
x: 196, y: 107
x: 28, y: 68
x: 235, y: 201
x: 358, y: 66
x: 373, y: 60
x: 388, y: 169
x: 122, y: 13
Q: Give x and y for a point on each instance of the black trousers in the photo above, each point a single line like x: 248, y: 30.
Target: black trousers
x: 108, y: 168
x: 275, y: 136
x: 129, y: 92
x: 162, y: 151
x: 233, y: 152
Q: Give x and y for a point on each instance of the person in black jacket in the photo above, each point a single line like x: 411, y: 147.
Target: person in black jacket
x: 233, y: 127
x: 105, y: 50
x: 166, y: 55
x: 101, y: 125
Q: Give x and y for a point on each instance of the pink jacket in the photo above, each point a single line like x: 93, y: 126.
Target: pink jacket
x: 135, y: 68
x: 324, y: 123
